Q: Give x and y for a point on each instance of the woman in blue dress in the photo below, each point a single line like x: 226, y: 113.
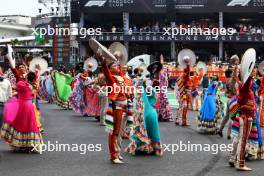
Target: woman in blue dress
x: 210, y: 110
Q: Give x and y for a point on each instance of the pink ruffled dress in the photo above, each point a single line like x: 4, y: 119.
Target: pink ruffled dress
x: 19, y: 127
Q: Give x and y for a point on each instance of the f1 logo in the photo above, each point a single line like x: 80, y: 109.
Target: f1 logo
x: 238, y: 2
x: 98, y: 3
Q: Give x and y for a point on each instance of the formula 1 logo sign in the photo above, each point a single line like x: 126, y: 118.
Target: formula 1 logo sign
x: 238, y: 2
x: 99, y: 3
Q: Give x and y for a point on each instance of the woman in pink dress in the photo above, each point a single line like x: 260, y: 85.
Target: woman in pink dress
x: 19, y: 127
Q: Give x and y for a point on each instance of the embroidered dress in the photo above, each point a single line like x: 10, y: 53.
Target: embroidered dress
x: 164, y: 109
x: 255, y: 147
x: 46, y: 89
x: 20, y: 127
x: 91, y: 101
x: 146, y: 137
x: 139, y: 139
x: 76, y: 100
x: 207, y: 119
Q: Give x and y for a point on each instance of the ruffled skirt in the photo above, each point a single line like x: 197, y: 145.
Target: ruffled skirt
x: 91, y: 99
x: 20, y: 127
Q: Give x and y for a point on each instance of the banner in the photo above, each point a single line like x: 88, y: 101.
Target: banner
x: 111, y: 37
x: 165, y: 6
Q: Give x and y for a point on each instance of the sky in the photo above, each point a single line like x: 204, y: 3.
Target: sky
x: 21, y: 7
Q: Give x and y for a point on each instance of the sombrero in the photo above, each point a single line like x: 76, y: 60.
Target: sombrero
x: 120, y: 52
x: 247, y: 64
x: 38, y: 61
x: 155, y: 67
x: 99, y: 48
x: 186, y: 54
x: 90, y: 64
x: 201, y: 65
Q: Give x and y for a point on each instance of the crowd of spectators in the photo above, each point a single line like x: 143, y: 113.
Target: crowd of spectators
x: 248, y: 29
x: 158, y: 27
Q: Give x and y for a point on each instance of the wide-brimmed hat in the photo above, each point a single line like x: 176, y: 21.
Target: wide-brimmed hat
x: 247, y: 64
x: 201, y: 65
x: 120, y: 52
x: 155, y: 67
x: 43, y: 64
x: 186, y: 54
x: 99, y: 48
x: 90, y: 64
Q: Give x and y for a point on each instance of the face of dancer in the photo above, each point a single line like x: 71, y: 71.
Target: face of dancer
x: 85, y: 73
x: 236, y: 62
x: 124, y: 69
x: 22, y: 69
x: 140, y: 71
x: 114, y: 69
x: 254, y: 73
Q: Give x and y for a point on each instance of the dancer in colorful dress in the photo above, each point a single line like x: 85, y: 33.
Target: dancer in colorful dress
x: 77, y: 98
x: 46, y: 90
x: 21, y: 74
x: 211, y: 111
x: 117, y: 107
x: 184, y: 89
x: 20, y: 128
x: 91, y: 96
x: 255, y: 147
x: 232, y: 89
x: 62, y: 87
x: 254, y: 144
x: 245, y: 118
x: 164, y: 109
x: 91, y: 100
x: 146, y: 135
x: 245, y: 114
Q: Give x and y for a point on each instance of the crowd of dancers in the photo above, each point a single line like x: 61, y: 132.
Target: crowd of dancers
x: 134, y: 111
